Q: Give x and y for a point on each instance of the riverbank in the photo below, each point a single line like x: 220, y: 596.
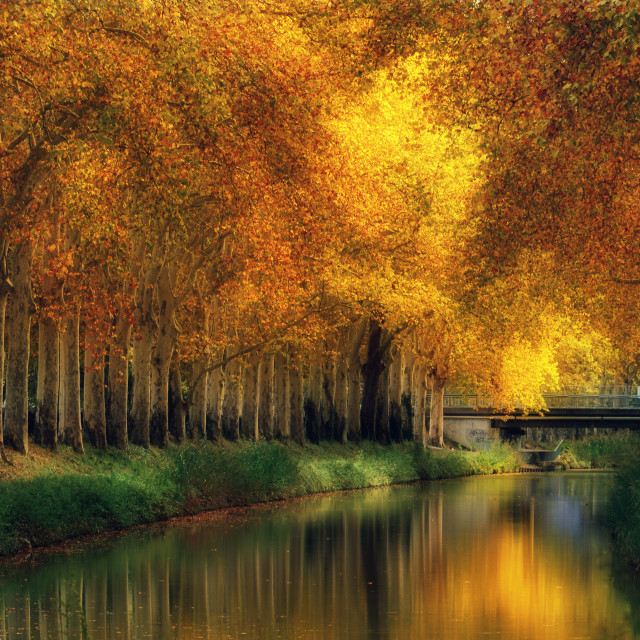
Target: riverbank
x: 50, y: 497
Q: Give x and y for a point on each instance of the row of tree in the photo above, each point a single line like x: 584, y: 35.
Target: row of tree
x: 298, y: 212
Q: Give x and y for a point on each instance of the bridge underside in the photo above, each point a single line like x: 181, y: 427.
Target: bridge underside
x: 477, y: 428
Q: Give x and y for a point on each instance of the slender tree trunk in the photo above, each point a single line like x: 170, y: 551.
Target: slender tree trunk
x: 371, y: 372
x: 407, y: 398
x: 395, y: 397
x: 141, y: 397
x: 281, y: 391
x: 436, y: 421
x: 5, y: 287
x: 231, y: 401
x: 161, y: 360
x: 146, y: 326
x: 341, y: 390
x: 117, y: 435
x: 95, y: 417
x: 265, y: 405
x: 420, y: 421
x: 250, y: 399
x: 354, y: 431
x: 70, y: 352
x: 382, y: 427
x: 198, y: 406
x: 297, y: 399
x: 327, y: 406
x: 312, y: 404
x: 20, y: 311
x: 215, y: 400
x: 49, y: 374
x: 177, y: 409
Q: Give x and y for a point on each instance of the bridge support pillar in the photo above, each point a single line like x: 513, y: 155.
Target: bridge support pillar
x: 473, y: 433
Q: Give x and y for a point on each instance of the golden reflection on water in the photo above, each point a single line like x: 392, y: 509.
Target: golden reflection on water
x: 509, y: 557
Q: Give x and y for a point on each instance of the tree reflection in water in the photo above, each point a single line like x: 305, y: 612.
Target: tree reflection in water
x: 514, y: 557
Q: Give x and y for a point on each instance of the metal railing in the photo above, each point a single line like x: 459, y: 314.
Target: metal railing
x: 553, y: 401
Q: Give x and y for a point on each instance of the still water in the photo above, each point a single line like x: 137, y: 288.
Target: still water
x: 505, y: 557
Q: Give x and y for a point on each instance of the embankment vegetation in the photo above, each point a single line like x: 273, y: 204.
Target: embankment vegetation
x: 54, y: 496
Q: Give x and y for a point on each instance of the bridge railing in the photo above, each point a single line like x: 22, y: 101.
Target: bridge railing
x: 553, y: 401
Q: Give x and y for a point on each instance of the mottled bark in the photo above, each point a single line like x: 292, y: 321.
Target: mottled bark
x: 297, y: 399
x: 382, y: 426
x: 95, y: 417
x: 21, y: 308
x: 265, y: 405
x: 4, y: 292
x: 420, y: 392
x: 281, y: 392
x: 177, y: 408
x: 141, y: 380
x: 215, y: 399
x: 70, y: 353
x: 231, y: 400
x: 198, y: 404
x: 118, y: 395
x: 312, y: 404
x: 327, y: 406
x: 341, y: 386
x: 250, y: 399
x: 358, y: 332
x: 436, y: 419
x: 371, y: 372
x: 49, y: 382
x: 407, y: 397
x: 395, y: 396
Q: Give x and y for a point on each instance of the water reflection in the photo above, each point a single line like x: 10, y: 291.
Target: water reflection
x: 508, y: 557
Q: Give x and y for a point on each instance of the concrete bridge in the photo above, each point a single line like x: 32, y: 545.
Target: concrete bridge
x: 468, y: 421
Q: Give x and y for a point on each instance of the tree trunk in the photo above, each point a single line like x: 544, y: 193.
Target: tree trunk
x: 5, y: 287
x: 420, y: 392
x: 177, y: 409
x: 215, y: 400
x: 49, y: 372
x: 382, y: 427
x: 395, y: 396
x: 161, y: 360
x: 95, y: 418
x: 198, y: 406
x: 265, y: 405
x: 297, y: 399
x: 250, y: 400
x: 281, y: 392
x: 341, y: 390
x: 312, y: 404
x: 20, y: 312
x: 231, y: 400
x: 328, y: 390
x: 141, y: 397
x: 371, y: 372
x: 354, y: 432
x: 119, y: 383
x: 407, y: 398
x: 436, y: 421
x: 70, y: 353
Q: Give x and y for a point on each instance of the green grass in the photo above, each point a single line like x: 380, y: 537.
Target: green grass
x: 624, y: 512
x: 50, y: 497
x: 600, y: 452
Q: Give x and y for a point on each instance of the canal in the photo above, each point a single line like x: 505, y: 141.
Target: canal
x: 513, y: 557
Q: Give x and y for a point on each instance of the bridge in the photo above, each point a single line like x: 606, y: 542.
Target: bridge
x: 469, y: 420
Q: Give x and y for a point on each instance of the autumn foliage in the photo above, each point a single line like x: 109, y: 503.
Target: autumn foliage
x: 224, y: 219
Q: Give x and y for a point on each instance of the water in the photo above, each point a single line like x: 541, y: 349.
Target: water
x: 503, y: 557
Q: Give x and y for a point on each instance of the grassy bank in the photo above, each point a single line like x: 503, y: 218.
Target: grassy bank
x: 602, y: 452
x: 50, y: 497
